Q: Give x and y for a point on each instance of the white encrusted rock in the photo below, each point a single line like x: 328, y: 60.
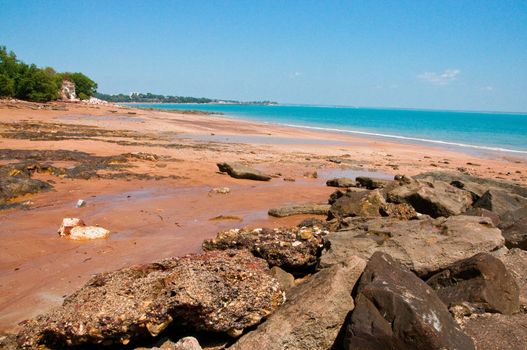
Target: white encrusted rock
x: 68, y: 224
x: 88, y: 232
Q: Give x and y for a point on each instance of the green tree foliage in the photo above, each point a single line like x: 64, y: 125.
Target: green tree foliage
x: 152, y: 98
x: 28, y: 82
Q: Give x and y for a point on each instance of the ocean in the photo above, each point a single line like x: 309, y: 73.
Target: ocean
x: 485, y: 131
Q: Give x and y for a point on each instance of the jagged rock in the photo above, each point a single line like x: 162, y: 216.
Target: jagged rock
x: 221, y: 291
x: 341, y: 182
x: 354, y: 203
x: 68, y: 224
x: 516, y: 234
x: 74, y: 228
x: 240, y: 171
x: 394, y: 309
x: 311, y: 209
x: 371, y: 183
x: 295, y: 250
x: 500, y: 202
x: 424, y: 246
x: 498, y: 332
x: 476, y: 190
x: 481, y: 281
x: 400, y: 211
x: 16, y: 181
x: 515, y: 260
x: 313, y: 314
x: 435, y: 198
x: 67, y: 91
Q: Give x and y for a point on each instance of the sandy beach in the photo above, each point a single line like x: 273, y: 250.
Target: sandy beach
x: 163, y: 204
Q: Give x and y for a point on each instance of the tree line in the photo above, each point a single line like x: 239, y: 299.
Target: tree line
x: 31, y: 83
x: 152, y: 98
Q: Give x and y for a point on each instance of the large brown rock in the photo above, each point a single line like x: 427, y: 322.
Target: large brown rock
x: 498, y: 332
x: 295, y: 249
x: 313, y: 315
x: 396, y: 310
x: 222, y: 291
x: 481, y: 282
x: 424, y: 246
x: 240, y: 171
x: 373, y: 183
x: 434, y: 198
x: 357, y: 203
x: 500, y: 202
x: 514, y: 228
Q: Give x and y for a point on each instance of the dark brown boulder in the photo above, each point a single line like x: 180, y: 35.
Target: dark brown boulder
x: 223, y: 291
x: 341, y: 182
x: 394, y: 309
x: 515, y: 260
x: 240, y: 171
x: 372, y: 183
x: 484, y: 213
x: 296, y: 249
x: 481, y: 282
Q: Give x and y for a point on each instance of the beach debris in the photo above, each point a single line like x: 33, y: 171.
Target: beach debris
x: 220, y: 190
x: 341, y: 182
x: 296, y: 249
x: 240, y: 171
x: 480, y: 282
x: 311, y: 209
x: 394, y: 309
x: 80, y: 203
x: 76, y: 229
x: 313, y: 314
x: 220, y: 291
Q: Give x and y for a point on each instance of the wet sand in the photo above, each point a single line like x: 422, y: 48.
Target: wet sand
x: 153, y: 219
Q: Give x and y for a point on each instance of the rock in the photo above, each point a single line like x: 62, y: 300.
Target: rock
x: 68, y: 224
x: 476, y: 190
x: 80, y: 203
x: 67, y: 91
x: 372, y: 183
x: 217, y: 291
x: 88, y: 232
x: 240, y: 171
x: 435, y: 198
x: 450, y: 176
x: 311, y: 209
x: 285, y: 279
x: 400, y: 211
x: 221, y: 190
x: 500, y: 202
x: 341, y: 182
x: 481, y: 281
x: 484, y: 213
x: 16, y: 181
x: 352, y: 203
x: 296, y: 250
x: 515, y: 260
x: 187, y: 343
x: 394, y: 309
x: 424, y: 246
x: 516, y: 234
x: 498, y: 332
x: 311, y: 174
x: 312, y: 316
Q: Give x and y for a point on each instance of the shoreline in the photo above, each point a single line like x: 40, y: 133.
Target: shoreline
x: 163, y: 206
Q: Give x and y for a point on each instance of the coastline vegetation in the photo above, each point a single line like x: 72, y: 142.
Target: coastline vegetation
x: 31, y: 83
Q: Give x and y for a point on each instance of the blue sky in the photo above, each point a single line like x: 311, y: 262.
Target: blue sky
x: 468, y: 55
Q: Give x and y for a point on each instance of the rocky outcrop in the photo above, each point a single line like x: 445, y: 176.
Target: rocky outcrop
x: 240, y: 171
x: 396, y: 310
x: 313, y: 314
x: 343, y: 182
x: 296, y: 250
x: 484, y: 213
x: 481, y: 283
x: 498, y: 332
x: 16, y: 181
x: 67, y: 91
x: 372, y: 183
x: 434, y: 198
x: 357, y: 203
x: 515, y: 260
x: 310, y: 209
x: 221, y: 291
x: 424, y: 246
x: 500, y: 202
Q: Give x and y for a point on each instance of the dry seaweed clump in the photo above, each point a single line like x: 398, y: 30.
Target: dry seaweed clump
x: 295, y: 249
x: 221, y: 291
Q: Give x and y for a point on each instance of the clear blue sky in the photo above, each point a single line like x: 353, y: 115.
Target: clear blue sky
x: 458, y: 54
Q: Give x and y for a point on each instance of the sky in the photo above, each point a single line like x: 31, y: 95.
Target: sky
x: 460, y: 55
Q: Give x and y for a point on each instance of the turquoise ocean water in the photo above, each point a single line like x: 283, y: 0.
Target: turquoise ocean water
x: 485, y: 131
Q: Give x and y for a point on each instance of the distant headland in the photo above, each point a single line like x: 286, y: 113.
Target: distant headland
x: 152, y: 98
